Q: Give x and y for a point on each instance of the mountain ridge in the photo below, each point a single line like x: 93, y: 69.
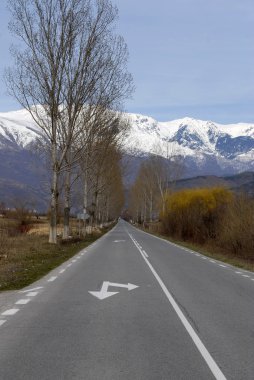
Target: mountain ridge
x: 205, y: 145
x: 186, y: 136
x: 208, y: 148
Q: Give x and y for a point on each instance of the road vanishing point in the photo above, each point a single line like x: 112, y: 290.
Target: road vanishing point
x: 131, y: 306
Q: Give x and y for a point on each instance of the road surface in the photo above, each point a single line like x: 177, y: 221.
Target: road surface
x: 131, y: 306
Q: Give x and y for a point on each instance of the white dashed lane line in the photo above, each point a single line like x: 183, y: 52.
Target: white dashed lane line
x: 22, y: 301
x: 193, y: 335
x: 146, y: 255
x: 197, y: 255
x: 231, y: 268
x: 140, y: 247
x: 212, y: 261
x: 31, y: 290
x: 221, y: 265
x: 53, y: 278
x: 10, y: 312
x: 32, y: 294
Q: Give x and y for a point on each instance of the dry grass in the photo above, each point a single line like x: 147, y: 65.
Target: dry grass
x: 24, y: 258
x: 209, y: 249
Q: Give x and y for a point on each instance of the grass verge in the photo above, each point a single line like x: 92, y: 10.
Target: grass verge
x: 30, y: 257
x: 209, y: 251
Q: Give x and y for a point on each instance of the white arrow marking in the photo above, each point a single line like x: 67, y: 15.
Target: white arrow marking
x: 30, y: 290
x: 104, y: 293
x: 118, y: 241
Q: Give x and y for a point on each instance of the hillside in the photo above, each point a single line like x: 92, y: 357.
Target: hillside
x: 209, y: 149
x: 240, y: 183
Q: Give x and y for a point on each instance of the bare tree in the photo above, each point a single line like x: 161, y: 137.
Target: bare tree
x: 156, y: 177
x: 166, y: 166
x: 109, y: 187
x: 62, y: 68
x: 98, y: 158
x: 101, y: 85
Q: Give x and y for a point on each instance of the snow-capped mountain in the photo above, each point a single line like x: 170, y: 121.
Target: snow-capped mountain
x: 207, y: 147
x: 17, y: 130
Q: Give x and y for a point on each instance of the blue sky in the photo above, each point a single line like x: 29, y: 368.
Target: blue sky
x: 188, y: 58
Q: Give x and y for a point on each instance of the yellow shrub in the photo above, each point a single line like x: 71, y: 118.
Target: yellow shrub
x: 195, y: 213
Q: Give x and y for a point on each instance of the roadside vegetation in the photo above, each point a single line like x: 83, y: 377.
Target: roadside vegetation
x: 214, y: 221
x: 70, y: 73
x: 26, y: 255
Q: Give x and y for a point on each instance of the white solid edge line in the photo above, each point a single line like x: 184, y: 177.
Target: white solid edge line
x: 2, y: 321
x: 197, y: 341
x: 181, y: 247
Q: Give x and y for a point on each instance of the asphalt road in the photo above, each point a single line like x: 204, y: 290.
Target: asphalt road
x: 182, y: 316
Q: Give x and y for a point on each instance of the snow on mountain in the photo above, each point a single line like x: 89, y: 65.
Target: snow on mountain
x: 207, y: 147
x: 17, y: 129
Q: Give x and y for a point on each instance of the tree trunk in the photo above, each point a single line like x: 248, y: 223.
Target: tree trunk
x: 151, y: 206
x: 107, y: 214
x: 145, y: 211
x: 97, y: 211
x: 85, y: 203
x: 53, y: 208
x: 67, y: 189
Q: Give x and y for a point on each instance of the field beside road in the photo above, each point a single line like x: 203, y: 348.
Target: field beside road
x: 26, y: 255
